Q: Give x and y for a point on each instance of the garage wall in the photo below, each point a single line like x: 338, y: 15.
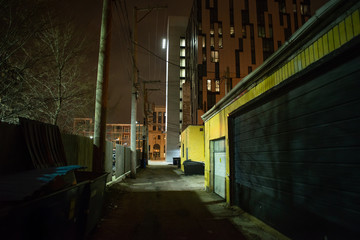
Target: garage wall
x: 297, y: 155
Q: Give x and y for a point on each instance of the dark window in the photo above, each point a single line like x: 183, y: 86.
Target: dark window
x: 159, y: 128
x: 241, y: 45
x: 164, y: 117
x: 279, y: 44
x: 159, y: 137
x: 245, y: 17
x: 160, y: 117
x: 296, y: 23
x: 249, y: 69
x: 231, y: 12
x: 154, y: 117
x: 154, y: 128
x: 237, y: 63
x: 217, y: 70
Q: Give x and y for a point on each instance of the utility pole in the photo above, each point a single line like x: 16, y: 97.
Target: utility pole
x: 102, y: 86
x: 134, y: 89
x: 146, y: 110
x: 134, y: 93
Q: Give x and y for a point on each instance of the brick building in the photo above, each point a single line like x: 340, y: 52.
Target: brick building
x: 157, y: 135
x: 226, y: 40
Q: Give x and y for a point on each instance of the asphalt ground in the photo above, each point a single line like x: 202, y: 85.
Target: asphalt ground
x: 162, y: 203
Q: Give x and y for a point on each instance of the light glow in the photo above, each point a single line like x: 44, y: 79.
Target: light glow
x: 164, y: 43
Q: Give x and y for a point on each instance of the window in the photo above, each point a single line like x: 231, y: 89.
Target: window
x: 159, y: 137
x: 249, y: 69
x: 160, y: 117
x: 164, y: 118
x: 305, y: 9
x: 214, y: 56
x: 208, y: 84
x: 232, y: 31
x: 261, y: 31
x: 220, y: 42
x: 217, y: 85
x: 154, y: 117
x: 182, y: 42
x: 212, y: 42
x: 203, y: 41
x: 182, y: 62
x: 159, y: 128
x: 182, y: 52
x: 220, y: 28
x: 154, y: 128
x: 182, y: 73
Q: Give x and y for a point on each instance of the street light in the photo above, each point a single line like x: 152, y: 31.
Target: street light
x: 164, y: 43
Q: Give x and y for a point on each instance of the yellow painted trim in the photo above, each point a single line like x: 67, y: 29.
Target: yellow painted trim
x: 325, y: 44
x: 311, y: 53
x: 331, y: 40
x: 336, y: 36
x: 307, y: 56
x: 356, y: 22
x: 342, y: 32
x: 321, y: 49
x: 316, y: 51
x: 349, y: 28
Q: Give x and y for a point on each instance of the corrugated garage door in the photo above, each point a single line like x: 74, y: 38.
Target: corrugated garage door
x: 295, y: 154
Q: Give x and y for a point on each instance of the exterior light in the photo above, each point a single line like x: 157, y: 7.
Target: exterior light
x: 163, y: 43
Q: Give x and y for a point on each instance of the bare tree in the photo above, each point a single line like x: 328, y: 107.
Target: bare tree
x: 58, y: 86
x: 42, y: 62
x: 18, y: 25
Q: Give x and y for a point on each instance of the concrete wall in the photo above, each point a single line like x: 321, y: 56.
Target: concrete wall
x: 192, y: 144
x: 176, y: 29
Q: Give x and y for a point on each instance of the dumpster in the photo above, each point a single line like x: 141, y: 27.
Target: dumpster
x: 93, y: 198
x: 52, y: 216
x: 176, y: 161
x: 193, y: 168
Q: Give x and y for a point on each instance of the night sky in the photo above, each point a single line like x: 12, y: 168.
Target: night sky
x: 86, y: 14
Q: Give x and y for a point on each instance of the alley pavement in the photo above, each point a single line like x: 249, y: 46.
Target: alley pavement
x: 162, y: 203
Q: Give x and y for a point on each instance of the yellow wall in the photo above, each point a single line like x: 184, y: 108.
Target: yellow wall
x: 217, y: 125
x: 192, y: 138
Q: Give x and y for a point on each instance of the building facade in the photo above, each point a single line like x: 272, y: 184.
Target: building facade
x: 157, y: 135
x: 117, y: 133
x: 175, y: 77
x: 227, y: 40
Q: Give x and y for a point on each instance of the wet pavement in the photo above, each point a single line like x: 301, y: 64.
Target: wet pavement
x: 163, y: 203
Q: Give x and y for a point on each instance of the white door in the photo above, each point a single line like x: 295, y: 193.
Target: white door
x: 219, y: 173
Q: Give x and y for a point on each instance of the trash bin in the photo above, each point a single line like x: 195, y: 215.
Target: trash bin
x: 193, y: 168
x: 176, y: 161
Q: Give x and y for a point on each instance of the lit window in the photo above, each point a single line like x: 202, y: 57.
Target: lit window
x: 220, y: 29
x: 232, y: 31
x: 214, y: 56
x: 182, y: 52
x: 182, y: 42
x: 182, y: 62
x: 203, y: 41
x: 220, y: 42
x: 182, y: 73
x: 212, y: 41
x: 208, y: 84
x: 261, y: 31
x: 204, y: 57
x: 217, y: 85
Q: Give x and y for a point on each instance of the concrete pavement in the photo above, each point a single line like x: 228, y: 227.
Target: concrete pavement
x: 163, y: 203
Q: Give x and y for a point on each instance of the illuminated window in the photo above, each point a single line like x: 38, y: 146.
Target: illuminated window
x: 220, y: 42
x: 214, y: 56
x: 232, y: 31
x: 182, y: 62
x: 182, y: 52
x: 182, y: 42
x: 208, y: 84
x: 203, y: 41
x: 217, y: 85
x: 220, y: 29
x: 212, y: 42
x: 182, y: 73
